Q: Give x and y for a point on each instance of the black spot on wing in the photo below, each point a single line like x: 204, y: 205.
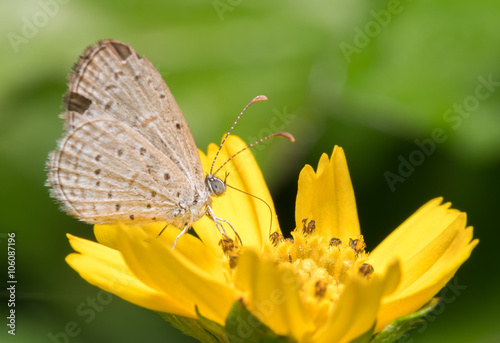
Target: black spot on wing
x: 121, y: 50
x: 77, y: 103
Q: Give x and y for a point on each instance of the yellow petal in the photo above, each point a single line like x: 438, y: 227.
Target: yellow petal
x: 107, y: 235
x: 271, y: 294
x: 356, y: 310
x: 105, y: 268
x: 190, y: 273
x: 249, y: 216
x: 327, y: 197
x: 432, y: 244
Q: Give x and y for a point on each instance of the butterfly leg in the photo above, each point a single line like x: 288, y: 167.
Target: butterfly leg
x: 186, y: 228
x: 216, y: 219
x: 211, y: 215
x: 232, y: 227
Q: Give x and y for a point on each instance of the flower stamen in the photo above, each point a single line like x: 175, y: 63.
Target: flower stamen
x: 231, y: 250
x: 227, y: 245
x: 366, y: 269
x: 276, y: 237
x: 335, y: 242
x: 320, y: 288
x: 309, y: 228
x: 358, y: 245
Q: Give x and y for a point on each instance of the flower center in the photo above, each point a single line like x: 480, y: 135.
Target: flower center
x: 322, y: 264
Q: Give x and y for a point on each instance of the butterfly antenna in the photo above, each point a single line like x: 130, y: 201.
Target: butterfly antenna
x: 254, y: 100
x: 283, y: 134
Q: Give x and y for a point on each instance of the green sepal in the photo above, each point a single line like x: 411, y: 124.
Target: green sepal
x: 202, y: 329
x: 243, y: 326
x: 400, y: 327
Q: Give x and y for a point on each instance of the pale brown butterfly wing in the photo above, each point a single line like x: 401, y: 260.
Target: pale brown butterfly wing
x: 128, y: 154
x: 130, y: 89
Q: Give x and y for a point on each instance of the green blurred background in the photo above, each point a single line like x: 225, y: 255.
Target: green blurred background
x: 370, y: 76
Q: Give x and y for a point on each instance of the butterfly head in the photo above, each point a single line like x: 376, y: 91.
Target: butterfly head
x: 215, y: 185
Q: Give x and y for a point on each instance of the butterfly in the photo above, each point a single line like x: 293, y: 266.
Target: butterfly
x: 127, y: 154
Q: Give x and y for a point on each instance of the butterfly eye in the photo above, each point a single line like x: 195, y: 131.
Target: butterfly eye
x: 215, y: 185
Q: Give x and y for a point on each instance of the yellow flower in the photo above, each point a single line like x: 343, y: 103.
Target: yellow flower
x: 319, y: 286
